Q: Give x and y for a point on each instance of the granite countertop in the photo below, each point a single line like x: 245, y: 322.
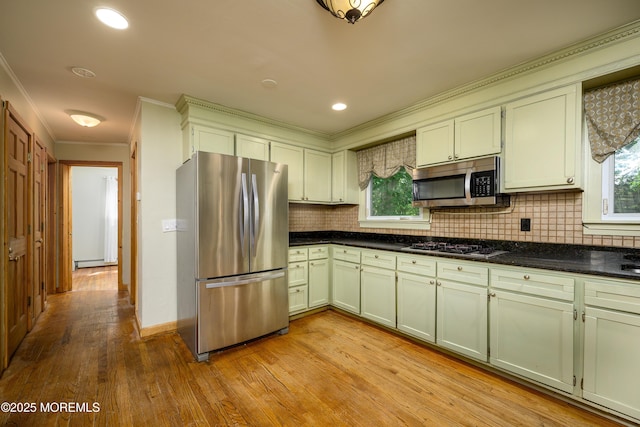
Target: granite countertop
x: 599, y: 261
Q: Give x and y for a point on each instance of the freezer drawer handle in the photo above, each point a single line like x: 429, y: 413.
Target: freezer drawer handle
x: 245, y: 281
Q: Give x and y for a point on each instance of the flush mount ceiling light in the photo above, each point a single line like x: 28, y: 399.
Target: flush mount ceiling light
x: 112, y: 18
x: 85, y: 119
x: 350, y: 10
x: 83, y: 72
x: 339, y: 106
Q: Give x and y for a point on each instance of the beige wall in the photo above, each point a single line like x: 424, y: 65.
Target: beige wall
x: 555, y: 218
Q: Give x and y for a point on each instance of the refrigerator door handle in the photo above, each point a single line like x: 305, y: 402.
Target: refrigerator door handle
x: 244, y: 219
x: 256, y: 212
x: 262, y: 278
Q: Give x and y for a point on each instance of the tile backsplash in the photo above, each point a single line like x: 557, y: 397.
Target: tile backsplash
x: 555, y: 218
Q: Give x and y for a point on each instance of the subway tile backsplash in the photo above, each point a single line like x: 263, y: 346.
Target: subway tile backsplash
x: 555, y: 218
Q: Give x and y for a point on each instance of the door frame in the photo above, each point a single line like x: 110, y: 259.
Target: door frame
x: 65, y: 219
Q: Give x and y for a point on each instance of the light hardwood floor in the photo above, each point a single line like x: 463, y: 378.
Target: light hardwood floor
x: 95, y: 279
x: 329, y: 370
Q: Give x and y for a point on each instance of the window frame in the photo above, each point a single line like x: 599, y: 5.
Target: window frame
x: 420, y: 222
x: 608, y: 195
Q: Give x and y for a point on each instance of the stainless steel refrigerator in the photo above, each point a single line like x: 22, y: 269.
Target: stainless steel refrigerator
x: 233, y: 238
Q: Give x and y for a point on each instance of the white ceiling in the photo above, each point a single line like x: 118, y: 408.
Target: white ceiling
x: 221, y: 50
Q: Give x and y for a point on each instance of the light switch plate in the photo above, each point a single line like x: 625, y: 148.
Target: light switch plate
x: 169, y: 225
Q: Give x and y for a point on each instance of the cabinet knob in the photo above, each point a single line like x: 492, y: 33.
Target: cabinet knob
x: 438, y: 283
x: 459, y: 268
x: 432, y: 282
x: 413, y: 261
x: 570, y: 180
x: 311, y: 264
x: 527, y: 277
x: 357, y: 266
x: 345, y: 251
x: 492, y: 294
x: 450, y: 157
x: 375, y: 256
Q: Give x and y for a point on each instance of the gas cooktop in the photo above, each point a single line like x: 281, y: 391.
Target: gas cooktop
x: 465, y: 250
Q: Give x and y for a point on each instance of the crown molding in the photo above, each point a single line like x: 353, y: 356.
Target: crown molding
x: 185, y: 102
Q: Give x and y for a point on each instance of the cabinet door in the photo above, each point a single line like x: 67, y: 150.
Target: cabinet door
x: 434, y: 143
x: 462, y: 318
x: 478, y: 134
x: 417, y: 306
x: 344, y: 177
x: 543, y: 130
x: 294, y: 158
x: 297, y: 273
x: 252, y: 148
x: 378, y: 287
x: 204, y: 138
x: 346, y: 286
x: 317, y: 176
x: 318, y: 282
x: 611, y: 355
x: 532, y: 337
x: 297, y: 299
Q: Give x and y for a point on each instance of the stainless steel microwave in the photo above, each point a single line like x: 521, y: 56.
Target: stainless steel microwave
x: 459, y: 184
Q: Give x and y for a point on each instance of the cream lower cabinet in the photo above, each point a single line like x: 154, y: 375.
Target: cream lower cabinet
x: 416, y: 296
x: 346, y: 279
x: 378, y: 287
x: 318, y: 276
x: 612, y: 345
x: 298, y: 279
x: 462, y: 309
x: 532, y: 325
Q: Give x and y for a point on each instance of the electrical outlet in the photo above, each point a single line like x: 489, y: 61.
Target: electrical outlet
x: 525, y: 224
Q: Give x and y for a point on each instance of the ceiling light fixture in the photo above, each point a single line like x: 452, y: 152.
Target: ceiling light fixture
x: 339, y: 106
x: 83, y: 72
x: 85, y: 119
x: 350, y: 10
x: 112, y: 18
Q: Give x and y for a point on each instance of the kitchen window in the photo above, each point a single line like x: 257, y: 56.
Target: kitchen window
x: 387, y: 188
x: 621, y: 184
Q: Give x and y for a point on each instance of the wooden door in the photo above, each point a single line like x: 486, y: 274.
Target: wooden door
x: 51, y: 229
x: 18, y: 290
x: 65, y: 227
x: 39, y: 163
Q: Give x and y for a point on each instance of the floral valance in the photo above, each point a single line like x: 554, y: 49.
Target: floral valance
x: 386, y: 159
x: 613, y: 117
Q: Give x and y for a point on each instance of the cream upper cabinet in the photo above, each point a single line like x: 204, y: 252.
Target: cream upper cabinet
x: 542, y: 142
x: 204, y: 138
x: 472, y: 135
x: 317, y: 176
x: 252, y: 147
x: 344, y: 177
x: 293, y: 157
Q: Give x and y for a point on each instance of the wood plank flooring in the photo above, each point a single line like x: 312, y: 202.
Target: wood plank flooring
x: 95, y: 279
x: 329, y: 370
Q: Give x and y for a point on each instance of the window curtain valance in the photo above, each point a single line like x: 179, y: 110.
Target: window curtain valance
x: 613, y: 117
x: 386, y: 159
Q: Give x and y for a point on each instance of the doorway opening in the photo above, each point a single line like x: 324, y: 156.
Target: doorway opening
x: 91, y: 226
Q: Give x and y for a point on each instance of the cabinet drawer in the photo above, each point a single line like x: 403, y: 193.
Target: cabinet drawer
x: 297, y: 273
x: 298, y: 296
x: 379, y: 259
x: 346, y: 254
x: 463, y: 272
x: 417, y: 264
x: 613, y: 295
x: 318, y: 252
x: 297, y: 254
x: 534, y: 283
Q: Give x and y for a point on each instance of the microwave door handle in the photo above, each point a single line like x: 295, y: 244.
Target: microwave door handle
x: 467, y: 186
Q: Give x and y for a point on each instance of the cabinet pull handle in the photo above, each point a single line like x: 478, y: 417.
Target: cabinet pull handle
x: 459, y: 268
x: 527, y: 277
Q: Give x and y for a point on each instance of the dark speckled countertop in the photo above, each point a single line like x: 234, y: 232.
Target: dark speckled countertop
x: 595, y: 260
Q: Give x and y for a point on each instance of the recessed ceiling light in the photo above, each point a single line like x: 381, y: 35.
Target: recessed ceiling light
x: 112, y: 18
x: 339, y: 106
x: 83, y: 72
x: 85, y: 119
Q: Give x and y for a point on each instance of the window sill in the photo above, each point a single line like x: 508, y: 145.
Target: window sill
x: 401, y: 224
x: 611, y: 229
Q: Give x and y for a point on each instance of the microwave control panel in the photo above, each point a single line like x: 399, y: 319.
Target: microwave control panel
x: 483, y: 184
